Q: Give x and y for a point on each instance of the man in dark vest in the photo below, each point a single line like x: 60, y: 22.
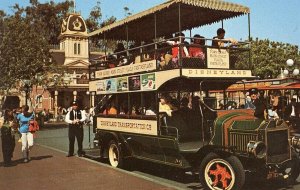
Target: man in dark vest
x: 75, y: 119
x: 255, y: 103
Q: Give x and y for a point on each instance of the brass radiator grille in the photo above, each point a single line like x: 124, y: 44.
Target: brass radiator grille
x: 240, y: 140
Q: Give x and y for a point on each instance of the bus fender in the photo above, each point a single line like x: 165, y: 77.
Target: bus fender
x: 202, y: 152
x: 105, y: 139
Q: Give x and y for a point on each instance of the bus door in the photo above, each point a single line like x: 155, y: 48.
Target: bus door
x: 146, y: 147
x: 168, y: 141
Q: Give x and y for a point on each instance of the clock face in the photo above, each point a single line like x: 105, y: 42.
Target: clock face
x: 76, y: 24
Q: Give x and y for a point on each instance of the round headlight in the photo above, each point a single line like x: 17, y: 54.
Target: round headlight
x: 257, y: 149
x: 296, y: 143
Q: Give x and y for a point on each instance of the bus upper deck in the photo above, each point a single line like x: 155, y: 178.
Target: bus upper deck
x: 149, y: 47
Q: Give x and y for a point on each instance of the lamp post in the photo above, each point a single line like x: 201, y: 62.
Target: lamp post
x: 89, y: 122
x: 287, y: 72
x: 27, y: 89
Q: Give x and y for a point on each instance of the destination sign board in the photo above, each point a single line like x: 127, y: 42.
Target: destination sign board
x: 127, y: 69
x: 217, y: 58
x: 147, y: 127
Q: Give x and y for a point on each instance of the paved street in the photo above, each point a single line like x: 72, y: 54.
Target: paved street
x: 56, y: 137
x: 50, y: 168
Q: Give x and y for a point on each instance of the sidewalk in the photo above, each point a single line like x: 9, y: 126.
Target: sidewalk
x: 51, y: 169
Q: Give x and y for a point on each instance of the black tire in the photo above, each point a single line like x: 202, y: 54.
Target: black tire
x: 115, y: 156
x: 234, y: 178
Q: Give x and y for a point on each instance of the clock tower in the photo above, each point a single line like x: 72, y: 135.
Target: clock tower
x: 74, y: 39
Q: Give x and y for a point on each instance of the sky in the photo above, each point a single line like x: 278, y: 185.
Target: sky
x: 277, y: 20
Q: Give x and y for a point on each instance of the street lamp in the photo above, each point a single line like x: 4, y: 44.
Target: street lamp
x: 27, y: 88
x: 89, y: 122
x: 286, y: 71
x: 91, y: 95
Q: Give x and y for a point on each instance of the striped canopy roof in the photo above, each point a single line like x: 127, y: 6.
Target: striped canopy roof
x: 193, y: 13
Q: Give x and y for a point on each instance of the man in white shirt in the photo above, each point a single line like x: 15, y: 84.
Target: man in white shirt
x: 292, y: 112
x: 75, y: 119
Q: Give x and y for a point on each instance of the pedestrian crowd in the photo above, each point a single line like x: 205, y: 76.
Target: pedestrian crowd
x: 22, y: 124
x: 18, y: 121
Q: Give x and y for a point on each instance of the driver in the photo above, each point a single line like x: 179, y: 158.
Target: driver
x: 255, y: 103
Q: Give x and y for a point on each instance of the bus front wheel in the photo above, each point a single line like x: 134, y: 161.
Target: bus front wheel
x: 115, y: 155
x: 221, y: 173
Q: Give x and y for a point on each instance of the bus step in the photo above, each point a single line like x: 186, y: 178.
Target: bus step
x: 92, y: 153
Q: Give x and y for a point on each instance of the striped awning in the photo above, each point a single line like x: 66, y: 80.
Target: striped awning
x: 192, y: 13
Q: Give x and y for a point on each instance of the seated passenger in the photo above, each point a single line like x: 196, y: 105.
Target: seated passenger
x: 175, y: 49
x: 272, y: 114
x: 163, y: 56
x: 111, y: 109
x: 136, y: 110
x: 219, y: 40
x: 165, y: 104
x: 178, y: 120
x: 184, y: 109
x: 150, y: 110
x: 196, y: 49
x: 121, y: 54
x: 120, y: 48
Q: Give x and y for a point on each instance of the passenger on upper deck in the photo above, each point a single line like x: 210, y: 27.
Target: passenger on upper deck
x: 120, y: 48
x: 219, y: 40
x: 196, y: 49
x: 121, y: 54
x: 179, y: 39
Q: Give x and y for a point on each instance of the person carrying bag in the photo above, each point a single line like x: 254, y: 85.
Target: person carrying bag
x: 27, y: 136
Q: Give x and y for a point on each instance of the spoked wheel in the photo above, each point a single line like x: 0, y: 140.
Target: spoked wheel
x: 221, y: 173
x: 114, y: 155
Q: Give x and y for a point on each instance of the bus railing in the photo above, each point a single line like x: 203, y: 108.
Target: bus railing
x: 234, y: 57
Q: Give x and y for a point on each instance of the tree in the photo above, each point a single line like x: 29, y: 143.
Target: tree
x: 94, y: 19
x: 127, y: 12
x: 95, y: 22
x: 50, y: 15
x: 25, y: 38
x: 268, y: 57
x: 24, y: 48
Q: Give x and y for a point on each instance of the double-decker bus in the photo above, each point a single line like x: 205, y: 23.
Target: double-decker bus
x: 155, y: 102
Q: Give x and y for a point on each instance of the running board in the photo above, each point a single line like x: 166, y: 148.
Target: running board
x: 93, y: 153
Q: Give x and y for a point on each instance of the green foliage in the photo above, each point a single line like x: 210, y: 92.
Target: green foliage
x: 95, y: 22
x: 268, y: 57
x: 94, y: 19
x: 25, y: 38
x: 50, y: 15
x: 127, y: 12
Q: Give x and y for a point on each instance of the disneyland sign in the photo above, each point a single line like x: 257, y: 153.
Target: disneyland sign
x: 215, y: 73
x: 127, y: 69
